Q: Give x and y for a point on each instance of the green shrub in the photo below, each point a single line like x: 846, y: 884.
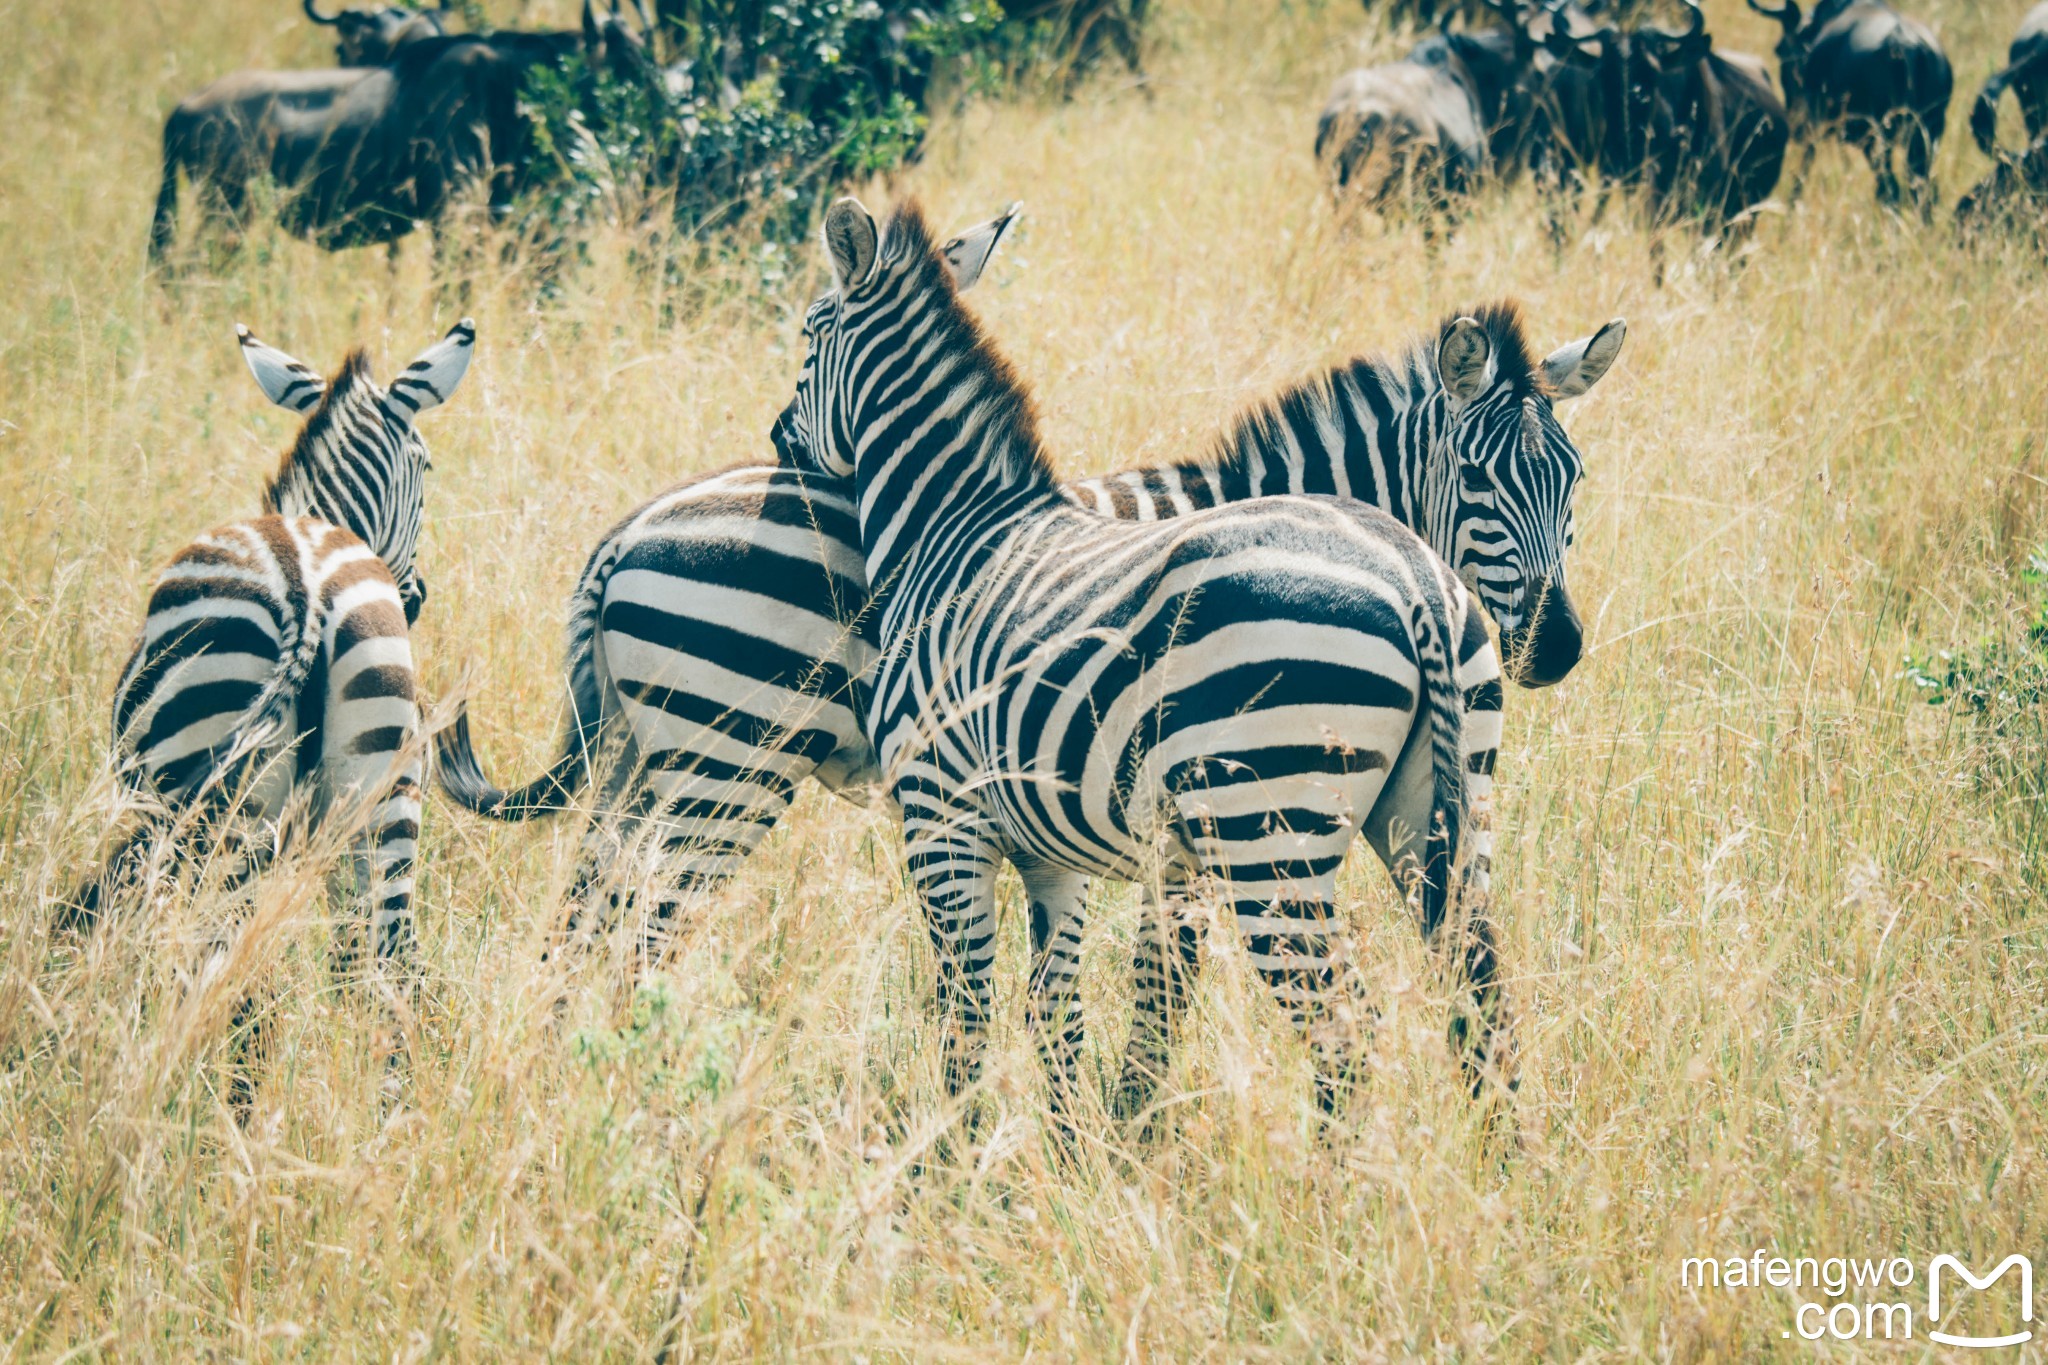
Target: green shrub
x: 760, y: 109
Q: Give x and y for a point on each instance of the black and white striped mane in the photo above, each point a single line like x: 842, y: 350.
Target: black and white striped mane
x: 1314, y: 404
x: 324, y: 440
x: 912, y: 263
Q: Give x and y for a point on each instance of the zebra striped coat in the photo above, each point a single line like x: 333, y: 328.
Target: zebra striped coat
x: 1227, y: 697
x: 720, y: 635
x: 276, y: 655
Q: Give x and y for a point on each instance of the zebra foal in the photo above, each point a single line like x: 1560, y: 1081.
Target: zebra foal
x: 275, y: 659
x: 1228, y: 697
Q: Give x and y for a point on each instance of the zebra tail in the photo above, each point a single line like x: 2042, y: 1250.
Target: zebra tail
x: 1437, y: 654
x: 456, y: 768
x: 262, y: 723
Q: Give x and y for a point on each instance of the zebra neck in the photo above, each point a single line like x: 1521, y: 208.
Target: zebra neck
x: 970, y: 468
x: 348, y: 495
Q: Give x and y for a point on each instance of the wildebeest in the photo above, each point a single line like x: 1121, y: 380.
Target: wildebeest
x: 2015, y: 194
x: 365, y: 154
x: 1699, y: 129
x: 2014, y: 197
x: 1876, y: 78
x: 2026, y: 74
x: 1405, y: 130
x: 368, y: 37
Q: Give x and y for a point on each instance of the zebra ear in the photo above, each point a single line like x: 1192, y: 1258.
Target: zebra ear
x: 968, y: 254
x: 1576, y: 366
x: 850, y: 239
x: 430, y: 381
x: 1464, y: 360
x: 286, y: 382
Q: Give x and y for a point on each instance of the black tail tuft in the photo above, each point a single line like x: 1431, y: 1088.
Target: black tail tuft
x: 461, y: 776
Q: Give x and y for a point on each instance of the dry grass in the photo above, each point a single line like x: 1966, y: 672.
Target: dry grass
x: 1775, y: 930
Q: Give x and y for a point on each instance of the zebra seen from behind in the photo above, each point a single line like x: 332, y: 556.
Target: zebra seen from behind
x: 275, y: 660
x: 1226, y: 698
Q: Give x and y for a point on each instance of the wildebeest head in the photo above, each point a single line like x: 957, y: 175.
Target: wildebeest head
x: 1517, y: 474
x: 1631, y: 67
x: 368, y: 37
x: 611, y: 44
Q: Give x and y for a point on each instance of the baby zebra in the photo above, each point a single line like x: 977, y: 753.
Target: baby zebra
x: 1227, y: 698
x: 275, y: 658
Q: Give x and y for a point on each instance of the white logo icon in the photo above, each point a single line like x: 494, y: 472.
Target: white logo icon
x: 1934, y: 1269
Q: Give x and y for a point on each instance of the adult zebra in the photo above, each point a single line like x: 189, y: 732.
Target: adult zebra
x: 719, y: 635
x: 276, y: 654
x: 1228, y: 697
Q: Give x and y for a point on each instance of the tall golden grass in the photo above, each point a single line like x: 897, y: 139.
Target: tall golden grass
x: 1774, y: 928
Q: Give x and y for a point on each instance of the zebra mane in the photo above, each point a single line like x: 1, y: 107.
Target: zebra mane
x: 1315, y: 403
x: 314, y: 445
x: 1006, y: 403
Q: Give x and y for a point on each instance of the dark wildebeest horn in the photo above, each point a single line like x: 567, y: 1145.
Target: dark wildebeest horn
x: 1787, y: 13
x: 318, y: 18
x: 1517, y: 20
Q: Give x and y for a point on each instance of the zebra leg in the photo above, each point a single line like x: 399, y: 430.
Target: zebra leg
x: 598, y: 897
x: 953, y: 868
x: 370, y: 776
x: 1056, y: 896
x: 1302, y: 949
x: 708, y: 827
x: 1167, y: 961
x: 124, y: 865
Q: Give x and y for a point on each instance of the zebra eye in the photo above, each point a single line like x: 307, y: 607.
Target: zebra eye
x: 1475, y: 478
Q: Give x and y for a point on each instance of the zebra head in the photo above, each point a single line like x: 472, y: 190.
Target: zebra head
x: 358, y: 462
x: 1505, y: 474
x: 809, y: 434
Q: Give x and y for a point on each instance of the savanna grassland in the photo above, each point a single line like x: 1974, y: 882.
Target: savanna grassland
x: 1773, y: 925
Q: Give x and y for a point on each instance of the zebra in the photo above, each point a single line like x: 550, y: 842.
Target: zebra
x: 723, y: 630
x: 275, y: 658
x: 717, y: 636
x: 1226, y: 698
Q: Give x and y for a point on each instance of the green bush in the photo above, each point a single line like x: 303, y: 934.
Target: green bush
x: 2001, y: 680
x: 760, y: 109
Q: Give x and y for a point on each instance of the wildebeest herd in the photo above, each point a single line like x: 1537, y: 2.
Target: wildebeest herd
x: 1208, y: 677
x: 411, y: 119
x: 1572, y: 95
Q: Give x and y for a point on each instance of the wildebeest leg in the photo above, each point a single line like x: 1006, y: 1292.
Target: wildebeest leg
x: 163, y: 224
x: 223, y: 204
x: 1920, y: 167
x: 1879, y: 149
x: 1806, y: 151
